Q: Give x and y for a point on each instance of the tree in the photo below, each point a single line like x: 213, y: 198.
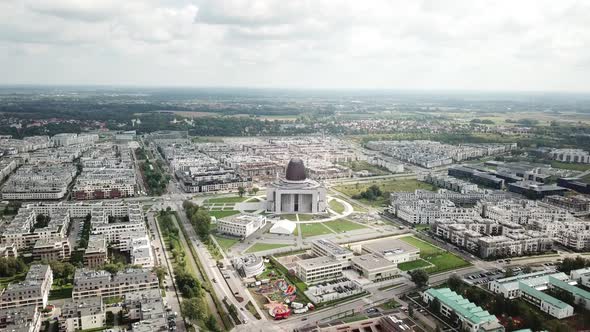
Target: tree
x: 255, y: 190
x: 455, y: 282
x: 161, y: 273
x: 241, y: 191
x: 10, y: 266
x: 435, y: 306
x: 109, y: 318
x: 419, y: 277
x: 410, y: 310
x: 509, y: 272
x: 211, y: 324
x: 193, y: 309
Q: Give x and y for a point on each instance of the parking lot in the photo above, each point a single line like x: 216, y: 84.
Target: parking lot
x: 483, y: 277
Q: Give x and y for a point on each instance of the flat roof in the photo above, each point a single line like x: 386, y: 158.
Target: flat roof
x: 371, y: 261
x: 388, y: 247
x: 317, y: 262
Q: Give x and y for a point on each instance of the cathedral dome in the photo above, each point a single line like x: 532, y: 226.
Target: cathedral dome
x: 295, y: 170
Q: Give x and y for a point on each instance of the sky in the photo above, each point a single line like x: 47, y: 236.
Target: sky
x: 496, y: 45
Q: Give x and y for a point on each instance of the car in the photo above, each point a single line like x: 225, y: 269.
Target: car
x: 304, y: 318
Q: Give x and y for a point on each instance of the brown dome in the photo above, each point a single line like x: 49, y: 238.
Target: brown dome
x: 295, y: 170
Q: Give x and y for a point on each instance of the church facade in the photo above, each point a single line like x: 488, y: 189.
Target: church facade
x: 295, y: 193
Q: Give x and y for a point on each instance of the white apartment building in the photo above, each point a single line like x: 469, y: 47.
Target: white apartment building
x: 90, y: 283
x: 34, y: 290
x: 82, y: 314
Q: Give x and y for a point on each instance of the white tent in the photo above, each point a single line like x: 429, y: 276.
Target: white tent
x: 283, y: 227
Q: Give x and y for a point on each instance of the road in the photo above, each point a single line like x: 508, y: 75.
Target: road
x: 209, y: 264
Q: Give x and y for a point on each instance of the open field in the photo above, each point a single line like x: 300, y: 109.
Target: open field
x: 343, y: 225
x: 386, y: 186
x: 265, y: 246
x: 313, y: 229
x: 426, y: 249
x: 336, y: 206
x: 225, y: 243
x: 441, y: 259
x: 407, y: 266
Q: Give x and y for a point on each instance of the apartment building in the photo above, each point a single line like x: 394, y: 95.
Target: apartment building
x: 90, y: 283
x: 21, y: 319
x: 33, y: 291
x: 83, y: 314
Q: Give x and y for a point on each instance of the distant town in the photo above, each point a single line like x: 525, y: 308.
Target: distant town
x: 149, y: 212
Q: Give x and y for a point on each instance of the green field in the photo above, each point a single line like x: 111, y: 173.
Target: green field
x: 336, y: 206
x: 313, y: 229
x: 391, y: 304
x: 441, y: 259
x: 232, y: 199
x: 420, y: 227
x: 407, y: 266
x: 223, y: 213
x: 386, y: 186
x: 265, y: 246
x: 343, y: 225
x: 573, y: 167
x: 225, y: 243
x: 61, y: 293
x: 445, y: 262
x: 426, y: 249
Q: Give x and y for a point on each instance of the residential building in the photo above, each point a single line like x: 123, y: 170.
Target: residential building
x: 90, y: 283
x: 83, y: 314
x: 33, y: 291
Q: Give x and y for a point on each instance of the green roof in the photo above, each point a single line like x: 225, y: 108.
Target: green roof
x: 570, y: 288
x: 461, y: 306
x: 542, y: 296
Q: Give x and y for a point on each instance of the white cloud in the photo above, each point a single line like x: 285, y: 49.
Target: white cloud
x: 500, y: 45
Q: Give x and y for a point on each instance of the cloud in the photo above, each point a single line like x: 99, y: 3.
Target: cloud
x: 428, y: 44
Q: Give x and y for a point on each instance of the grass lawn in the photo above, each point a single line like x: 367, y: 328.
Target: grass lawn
x: 445, y: 262
x: 305, y: 217
x: 426, y: 249
x: 407, y: 266
x: 292, y: 217
x: 387, y: 186
x: 391, y: 304
x: 232, y: 199
x: 222, y: 214
x: 313, y: 229
x: 343, y: 225
x: 265, y: 246
x: 421, y: 227
x: 570, y: 166
x: 225, y: 243
x: 441, y: 259
x: 336, y: 206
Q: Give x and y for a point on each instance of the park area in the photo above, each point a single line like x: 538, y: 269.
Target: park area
x: 343, y: 225
x: 433, y: 259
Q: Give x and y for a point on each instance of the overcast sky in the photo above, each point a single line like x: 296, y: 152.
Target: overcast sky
x: 471, y: 44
